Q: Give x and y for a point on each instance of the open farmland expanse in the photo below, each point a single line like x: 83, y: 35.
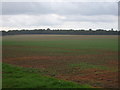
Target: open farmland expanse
x: 83, y: 59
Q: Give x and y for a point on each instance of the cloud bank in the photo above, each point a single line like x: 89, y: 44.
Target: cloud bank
x: 75, y: 15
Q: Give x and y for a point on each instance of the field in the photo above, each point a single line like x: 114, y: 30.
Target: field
x: 88, y: 60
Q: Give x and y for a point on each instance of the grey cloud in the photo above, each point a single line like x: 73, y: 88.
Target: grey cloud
x: 13, y: 8
x: 32, y: 20
x: 97, y: 18
x: 62, y: 8
x: 28, y: 14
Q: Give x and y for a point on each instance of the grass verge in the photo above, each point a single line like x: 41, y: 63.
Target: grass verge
x: 17, y: 77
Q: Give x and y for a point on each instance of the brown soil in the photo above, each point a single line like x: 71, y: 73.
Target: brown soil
x: 94, y: 77
x: 101, y: 79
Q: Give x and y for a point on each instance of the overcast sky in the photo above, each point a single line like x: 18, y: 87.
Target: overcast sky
x: 61, y: 15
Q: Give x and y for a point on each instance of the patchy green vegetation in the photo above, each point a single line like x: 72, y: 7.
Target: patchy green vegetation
x: 84, y: 65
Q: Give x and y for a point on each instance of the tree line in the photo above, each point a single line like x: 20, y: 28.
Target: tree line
x: 60, y: 31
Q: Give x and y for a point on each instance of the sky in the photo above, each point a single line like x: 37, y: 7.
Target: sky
x: 59, y: 15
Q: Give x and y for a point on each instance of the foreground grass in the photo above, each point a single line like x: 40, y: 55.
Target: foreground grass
x: 16, y: 77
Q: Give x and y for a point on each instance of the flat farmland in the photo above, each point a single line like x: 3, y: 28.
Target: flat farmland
x: 82, y: 59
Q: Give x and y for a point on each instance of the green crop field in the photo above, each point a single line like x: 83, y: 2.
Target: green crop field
x: 76, y: 60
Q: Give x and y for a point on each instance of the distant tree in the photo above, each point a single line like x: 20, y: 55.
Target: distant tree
x: 48, y: 29
x: 81, y: 30
x: 90, y: 29
x: 111, y: 29
x: 61, y: 31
